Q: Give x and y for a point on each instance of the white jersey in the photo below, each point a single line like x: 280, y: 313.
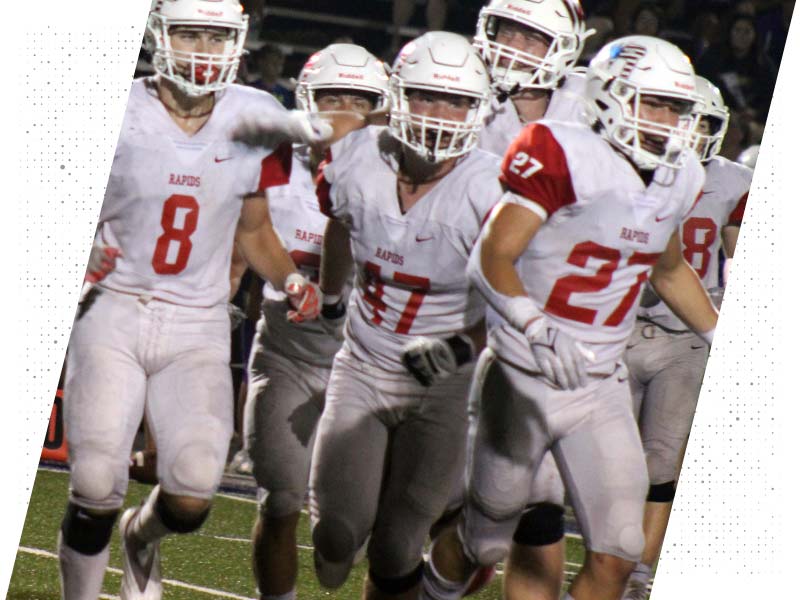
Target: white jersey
x: 173, y: 200
x: 503, y: 123
x: 603, y: 231
x: 721, y: 204
x: 410, y: 268
x: 296, y: 218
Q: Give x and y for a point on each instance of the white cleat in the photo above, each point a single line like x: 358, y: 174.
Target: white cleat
x: 141, y: 565
x: 637, y: 589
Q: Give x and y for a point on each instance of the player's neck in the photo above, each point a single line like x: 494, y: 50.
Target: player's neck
x: 416, y: 177
x: 531, y: 105
x: 190, y: 113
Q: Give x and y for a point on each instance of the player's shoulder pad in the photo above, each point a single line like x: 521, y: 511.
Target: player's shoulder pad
x: 538, y: 163
x: 352, y: 149
x: 251, y: 98
x: 731, y: 170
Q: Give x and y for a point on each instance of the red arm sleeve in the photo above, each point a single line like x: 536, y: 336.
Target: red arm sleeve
x: 535, y: 167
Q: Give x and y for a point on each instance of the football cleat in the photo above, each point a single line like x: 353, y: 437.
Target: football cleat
x: 141, y: 565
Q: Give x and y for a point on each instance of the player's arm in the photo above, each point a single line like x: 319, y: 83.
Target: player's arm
x: 730, y: 235
x: 336, y: 264
x: 677, y: 283
x: 238, y: 267
x: 263, y: 251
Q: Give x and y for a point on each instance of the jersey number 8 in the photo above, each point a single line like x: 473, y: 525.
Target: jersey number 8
x: 175, y: 235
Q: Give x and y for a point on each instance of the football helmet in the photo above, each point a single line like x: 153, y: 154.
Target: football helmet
x: 341, y: 66
x: 619, y: 75
x: 442, y: 62
x: 196, y: 73
x: 711, y: 107
x: 562, y: 21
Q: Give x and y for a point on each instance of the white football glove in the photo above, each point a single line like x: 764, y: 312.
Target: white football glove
x: 305, y: 298
x: 431, y: 360
x: 561, y: 359
x: 268, y: 130
x: 102, y: 260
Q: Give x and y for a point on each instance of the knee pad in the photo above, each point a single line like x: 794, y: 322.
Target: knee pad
x: 92, y: 477
x: 196, y: 470
x: 623, y: 534
x: 661, y: 492
x: 178, y: 523
x: 542, y: 525
x: 394, y: 586
x: 85, y: 532
x: 281, y: 503
x: 334, y: 540
x: 486, y: 541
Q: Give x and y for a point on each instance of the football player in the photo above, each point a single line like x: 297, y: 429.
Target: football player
x: 531, y: 49
x: 665, y: 359
x: 290, y: 364
x: 178, y: 193
x: 406, y: 204
x: 588, y: 214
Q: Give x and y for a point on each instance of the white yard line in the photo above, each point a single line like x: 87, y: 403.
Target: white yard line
x: 172, y: 582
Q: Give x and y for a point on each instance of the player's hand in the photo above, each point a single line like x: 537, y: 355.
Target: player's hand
x: 332, y: 317
x: 305, y: 298
x: 431, y: 360
x: 561, y: 359
x: 102, y: 260
x: 268, y: 130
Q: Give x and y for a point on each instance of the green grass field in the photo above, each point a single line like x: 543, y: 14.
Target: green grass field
x: 214, y: 563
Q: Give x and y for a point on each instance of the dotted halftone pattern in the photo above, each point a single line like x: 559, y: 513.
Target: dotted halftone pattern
x: 68, y: 90
x: 728, y: 536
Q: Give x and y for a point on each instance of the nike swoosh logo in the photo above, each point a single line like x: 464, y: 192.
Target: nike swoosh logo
x: 659, y: 219
x: 423, y: 239
x: 219, y: 160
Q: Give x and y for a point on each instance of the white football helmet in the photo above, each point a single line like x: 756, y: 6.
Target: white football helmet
x: 560, y: 20
x: 443, y: 62
x: 341, y: 66
x: 619, y: 75
x: 196, y: 73
x: 712, y: 107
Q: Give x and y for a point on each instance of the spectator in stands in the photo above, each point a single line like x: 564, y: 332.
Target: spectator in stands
x: 744, y: 73
x: 647, y: 20
x: 403, y: 10
x: 269, y: 62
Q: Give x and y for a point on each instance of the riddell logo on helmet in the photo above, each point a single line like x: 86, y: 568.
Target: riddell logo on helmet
x: 351, y: 76
x: 446, y: 77
x: 518, y: 9
x: 210, y: 13
x: 684, y: 86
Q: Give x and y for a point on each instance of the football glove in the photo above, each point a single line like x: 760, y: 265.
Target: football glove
x: 268, y: 130
x: 304, y: 297
x: 102, y: 260
x: 431, y: 360
x: 561, y: 359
